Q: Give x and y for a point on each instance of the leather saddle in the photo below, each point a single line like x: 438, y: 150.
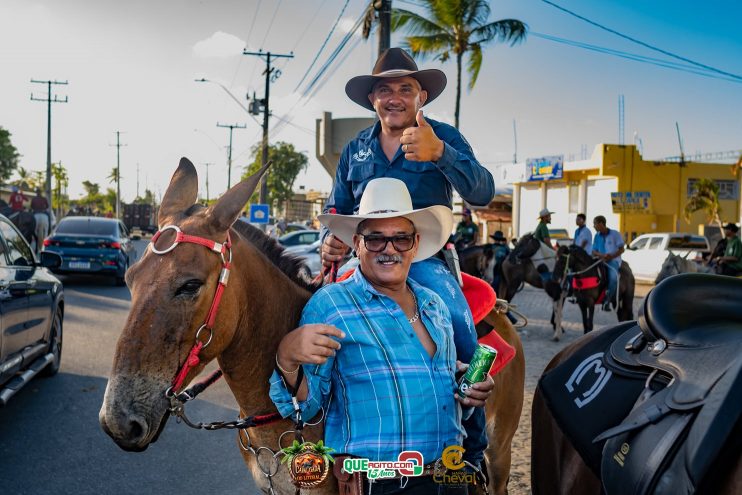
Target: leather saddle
x: 688, y: 343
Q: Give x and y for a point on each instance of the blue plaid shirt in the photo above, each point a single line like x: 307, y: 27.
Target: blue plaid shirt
x: 382, y: 392
x: 429, y: 183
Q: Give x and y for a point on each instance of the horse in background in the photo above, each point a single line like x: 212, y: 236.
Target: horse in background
x: 530, y: 261
x: 675, y: 264
x: 23, y: 220
x: 589, y: 281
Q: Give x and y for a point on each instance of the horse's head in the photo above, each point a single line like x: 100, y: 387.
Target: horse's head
x: 171, y: 295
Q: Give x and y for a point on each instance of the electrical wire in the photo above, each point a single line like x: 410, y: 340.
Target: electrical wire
x: 324, y: 44
x: 635, y: 57
x: 642, y: 43
x: 247, y: 45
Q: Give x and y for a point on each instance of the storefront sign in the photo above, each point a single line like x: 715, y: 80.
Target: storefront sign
x: 546, y: 168
x: 631, y: 202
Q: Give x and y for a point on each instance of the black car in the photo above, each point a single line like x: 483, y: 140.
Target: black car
x: 31, y: 309
x: 92, y: 245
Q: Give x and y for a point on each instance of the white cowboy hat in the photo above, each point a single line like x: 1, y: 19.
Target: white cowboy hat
x: 545, y: 212
x: 389, y: 198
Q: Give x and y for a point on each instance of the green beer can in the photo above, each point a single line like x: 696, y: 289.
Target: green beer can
x: 479, y: 367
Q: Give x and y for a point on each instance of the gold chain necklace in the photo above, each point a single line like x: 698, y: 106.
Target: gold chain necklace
x: 417, y: 312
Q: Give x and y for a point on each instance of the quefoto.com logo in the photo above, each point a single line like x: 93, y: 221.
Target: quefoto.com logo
x: 408, y: 463
x: 454, y: 475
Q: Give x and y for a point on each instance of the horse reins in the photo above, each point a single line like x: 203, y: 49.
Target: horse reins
x: 177, y: 401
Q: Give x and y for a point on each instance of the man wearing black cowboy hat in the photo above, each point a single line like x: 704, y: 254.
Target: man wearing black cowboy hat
x: 432, y: 159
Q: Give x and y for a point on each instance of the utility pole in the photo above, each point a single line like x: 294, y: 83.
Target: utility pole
x: 385, y: 23
x: 231, y: 128
x: 207, y: 181
x: 49, y: 100
x: 255, y: 110
x: 137, y: 180
x: 515, y: 143
x: 620, y: 120
x: 118, y: 146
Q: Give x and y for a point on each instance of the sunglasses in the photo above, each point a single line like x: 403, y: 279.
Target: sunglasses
x: 377, y: 243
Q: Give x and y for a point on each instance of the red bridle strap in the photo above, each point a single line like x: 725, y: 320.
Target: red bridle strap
x: 225, y: 251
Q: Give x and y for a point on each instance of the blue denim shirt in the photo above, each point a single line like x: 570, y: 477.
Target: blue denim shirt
x: 429, y: 183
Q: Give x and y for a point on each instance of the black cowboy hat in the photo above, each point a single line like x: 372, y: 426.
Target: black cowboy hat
x: 391, y: 64
x: 498, y: 236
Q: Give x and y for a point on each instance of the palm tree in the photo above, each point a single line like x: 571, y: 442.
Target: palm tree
x: 705, y: 197
x: 453, y: 28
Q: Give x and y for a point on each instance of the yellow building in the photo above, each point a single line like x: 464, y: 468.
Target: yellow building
x: 635, y: 195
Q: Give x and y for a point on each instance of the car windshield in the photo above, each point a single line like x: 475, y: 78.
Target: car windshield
x: 688, y: 242
x: 89, y: 226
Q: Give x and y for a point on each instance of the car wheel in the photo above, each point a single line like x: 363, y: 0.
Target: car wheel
x: 55, y: 345
x: 121, y: 280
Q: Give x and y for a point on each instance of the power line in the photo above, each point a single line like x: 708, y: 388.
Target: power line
x: 270, y: 25
x: 634, y: 57
x: 247, y: 45
x: 321, y: 48
x: 642, y: 43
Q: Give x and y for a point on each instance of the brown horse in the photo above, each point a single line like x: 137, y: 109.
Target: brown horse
x: 171, y: 296
x: 558, y: 469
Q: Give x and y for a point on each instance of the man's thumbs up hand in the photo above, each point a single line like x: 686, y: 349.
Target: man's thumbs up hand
x: 421, y: 122
x: 420, y: 144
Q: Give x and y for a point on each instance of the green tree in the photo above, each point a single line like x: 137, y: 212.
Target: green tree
x: 24, y: 178
x: 93, y: 198
x: 109, y: 200
x: 705, y: 197
x: 61, y: 180
x: 38, y: 180
x: 287, y: 163
x: 147, y: 199
x: 453, y: 28
x: 9, y: 155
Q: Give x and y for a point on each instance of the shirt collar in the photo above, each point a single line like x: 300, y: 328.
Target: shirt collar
x: 423, y: 297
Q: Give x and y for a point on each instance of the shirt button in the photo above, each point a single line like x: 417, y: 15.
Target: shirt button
x: 444, y: 408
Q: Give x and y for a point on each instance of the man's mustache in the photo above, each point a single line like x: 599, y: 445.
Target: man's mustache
x: 386, y: 258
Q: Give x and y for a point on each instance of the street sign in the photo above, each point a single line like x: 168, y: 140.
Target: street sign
x: 259, y: 213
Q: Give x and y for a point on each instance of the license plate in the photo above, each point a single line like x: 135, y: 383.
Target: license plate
x: 77, y: 265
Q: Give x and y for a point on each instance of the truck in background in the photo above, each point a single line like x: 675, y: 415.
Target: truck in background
x: 140, y: 216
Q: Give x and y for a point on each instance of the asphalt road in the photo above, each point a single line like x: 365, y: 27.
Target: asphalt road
x: 50, y: 440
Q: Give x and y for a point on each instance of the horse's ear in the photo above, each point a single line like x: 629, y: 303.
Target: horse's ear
x: 182, y: 192
x: 228, y: 208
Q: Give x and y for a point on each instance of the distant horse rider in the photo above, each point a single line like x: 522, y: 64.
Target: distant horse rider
x: 542, y: 230
x: 583, y: 236
x: 467, y: 231
x: 17, y: 198
x: 40, y: 208
x: 608, y: 245
x: 731, y: 262
x: 500, y: 252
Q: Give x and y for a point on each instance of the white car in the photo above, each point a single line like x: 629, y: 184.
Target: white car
x: 647, y: 252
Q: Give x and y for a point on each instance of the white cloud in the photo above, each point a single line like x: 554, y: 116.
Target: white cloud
x: 219, y: 45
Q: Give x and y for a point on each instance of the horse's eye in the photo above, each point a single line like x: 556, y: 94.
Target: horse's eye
x: 189, y: 289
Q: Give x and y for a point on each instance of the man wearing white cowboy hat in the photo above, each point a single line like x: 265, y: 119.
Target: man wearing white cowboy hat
x: 542, y: 230
x: 432, y: 159
x: 385, y: 350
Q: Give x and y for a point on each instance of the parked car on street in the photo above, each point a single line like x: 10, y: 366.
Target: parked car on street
x: 32, y: 309
x: 299, y: 237
x: 92, y: 245
x: 647, y: 252
x: 310, y: 254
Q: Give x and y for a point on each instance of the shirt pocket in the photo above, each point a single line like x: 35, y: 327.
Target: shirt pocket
x: 361, y: 172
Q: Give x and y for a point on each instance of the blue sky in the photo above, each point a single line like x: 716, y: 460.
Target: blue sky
x: 131, y: 67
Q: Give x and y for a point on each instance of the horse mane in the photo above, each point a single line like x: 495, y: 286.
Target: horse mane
x: 287, y: 263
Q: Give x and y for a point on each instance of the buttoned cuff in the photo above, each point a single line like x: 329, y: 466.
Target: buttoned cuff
x: 281, y: 397
x: 449, y: 157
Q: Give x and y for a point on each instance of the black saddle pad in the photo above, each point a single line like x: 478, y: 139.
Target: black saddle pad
x: 586, y: 397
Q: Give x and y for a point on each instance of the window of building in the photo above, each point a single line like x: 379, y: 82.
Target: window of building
x: 574, y: 198
x: 728, y: 189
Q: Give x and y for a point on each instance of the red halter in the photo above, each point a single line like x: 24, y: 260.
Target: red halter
x: 222, y: 248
